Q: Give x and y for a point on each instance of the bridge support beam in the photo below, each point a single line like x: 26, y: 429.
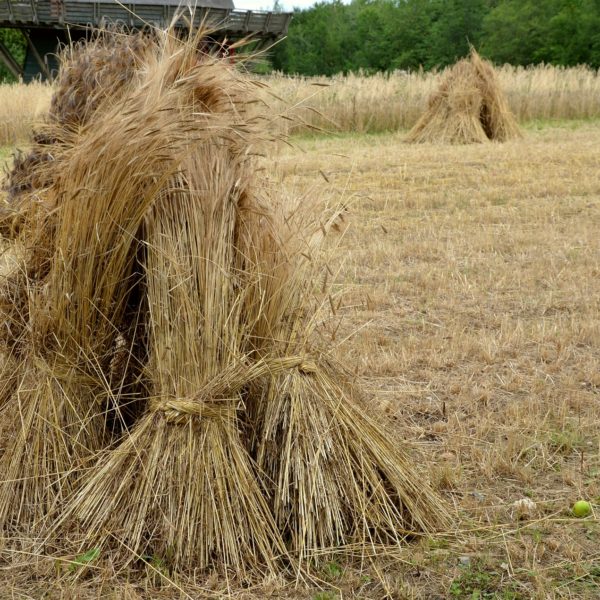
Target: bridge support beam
x: 36, y: 55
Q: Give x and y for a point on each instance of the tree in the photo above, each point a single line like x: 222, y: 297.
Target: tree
x: 523, y: 32
x: 317, y: 41
x: 411, y: 30
x: 383, y: 35
x: 15, y: 43
x: 373, y: 42
x: 458, y: 26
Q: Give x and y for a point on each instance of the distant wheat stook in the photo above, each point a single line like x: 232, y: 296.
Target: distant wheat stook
x: 170, y: 396
x: 468, y: 107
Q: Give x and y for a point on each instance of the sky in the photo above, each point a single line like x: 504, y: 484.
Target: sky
x: 287, y: 5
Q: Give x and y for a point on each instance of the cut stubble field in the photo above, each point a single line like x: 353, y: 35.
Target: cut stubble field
x: 468, y: 303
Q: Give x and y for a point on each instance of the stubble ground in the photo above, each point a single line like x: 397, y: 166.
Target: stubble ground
x: 468, y: 302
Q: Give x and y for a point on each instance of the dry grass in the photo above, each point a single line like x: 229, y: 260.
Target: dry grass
x: 356, y: 103
x: 159, y: 268
x: 474, y: 315
x: 471, y: 309
x: 21, y: 106
x: 385, y: 103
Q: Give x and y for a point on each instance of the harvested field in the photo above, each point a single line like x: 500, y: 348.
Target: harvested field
x: 468, y: 302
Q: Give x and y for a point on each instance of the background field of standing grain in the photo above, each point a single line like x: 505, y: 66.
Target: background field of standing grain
x: 358, y: 104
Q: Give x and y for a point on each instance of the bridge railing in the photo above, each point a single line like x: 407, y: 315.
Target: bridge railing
x: 86, y: 13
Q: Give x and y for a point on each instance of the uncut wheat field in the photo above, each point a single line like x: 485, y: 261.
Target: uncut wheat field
x: 467, y: 301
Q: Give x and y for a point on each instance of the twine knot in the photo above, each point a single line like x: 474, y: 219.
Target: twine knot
x: 176, y: 409
x: 220, y: 397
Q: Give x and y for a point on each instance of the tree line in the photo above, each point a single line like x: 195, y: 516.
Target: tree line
x: 385, y: 35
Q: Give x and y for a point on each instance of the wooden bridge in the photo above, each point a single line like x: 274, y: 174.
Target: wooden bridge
x: 48, y: 23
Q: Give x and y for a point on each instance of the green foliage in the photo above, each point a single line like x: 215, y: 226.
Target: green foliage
x: 84, y: 559
x: 458, y: 26
x: 326, y: 596
x: 319, y: 42
x: 563, y: 32
x: 15, y: 42
x: 567, y: 440
x: 333, y: 570
x: 384, y: 35
x: 411, y: 31
x: 478, y: 583
x: 158, y: 570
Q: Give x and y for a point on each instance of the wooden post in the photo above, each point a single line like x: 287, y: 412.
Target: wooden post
x: 38, y: 59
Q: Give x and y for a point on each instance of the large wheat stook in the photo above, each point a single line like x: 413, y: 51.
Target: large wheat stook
x: 171, y: 398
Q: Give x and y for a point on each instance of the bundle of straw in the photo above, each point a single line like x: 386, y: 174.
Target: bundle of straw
x: 469, y: 107
x: 76, y: 309
x: 182, y: 483
x: 198, y: 499
x: 95, y: 72
x: 337, y: 477
x: 172, y: 399
x: 84, y: 237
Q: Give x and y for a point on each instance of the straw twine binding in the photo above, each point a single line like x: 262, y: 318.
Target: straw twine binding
x: 220, y: 398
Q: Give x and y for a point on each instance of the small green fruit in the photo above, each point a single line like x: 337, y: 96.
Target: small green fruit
x: 582, y: 508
